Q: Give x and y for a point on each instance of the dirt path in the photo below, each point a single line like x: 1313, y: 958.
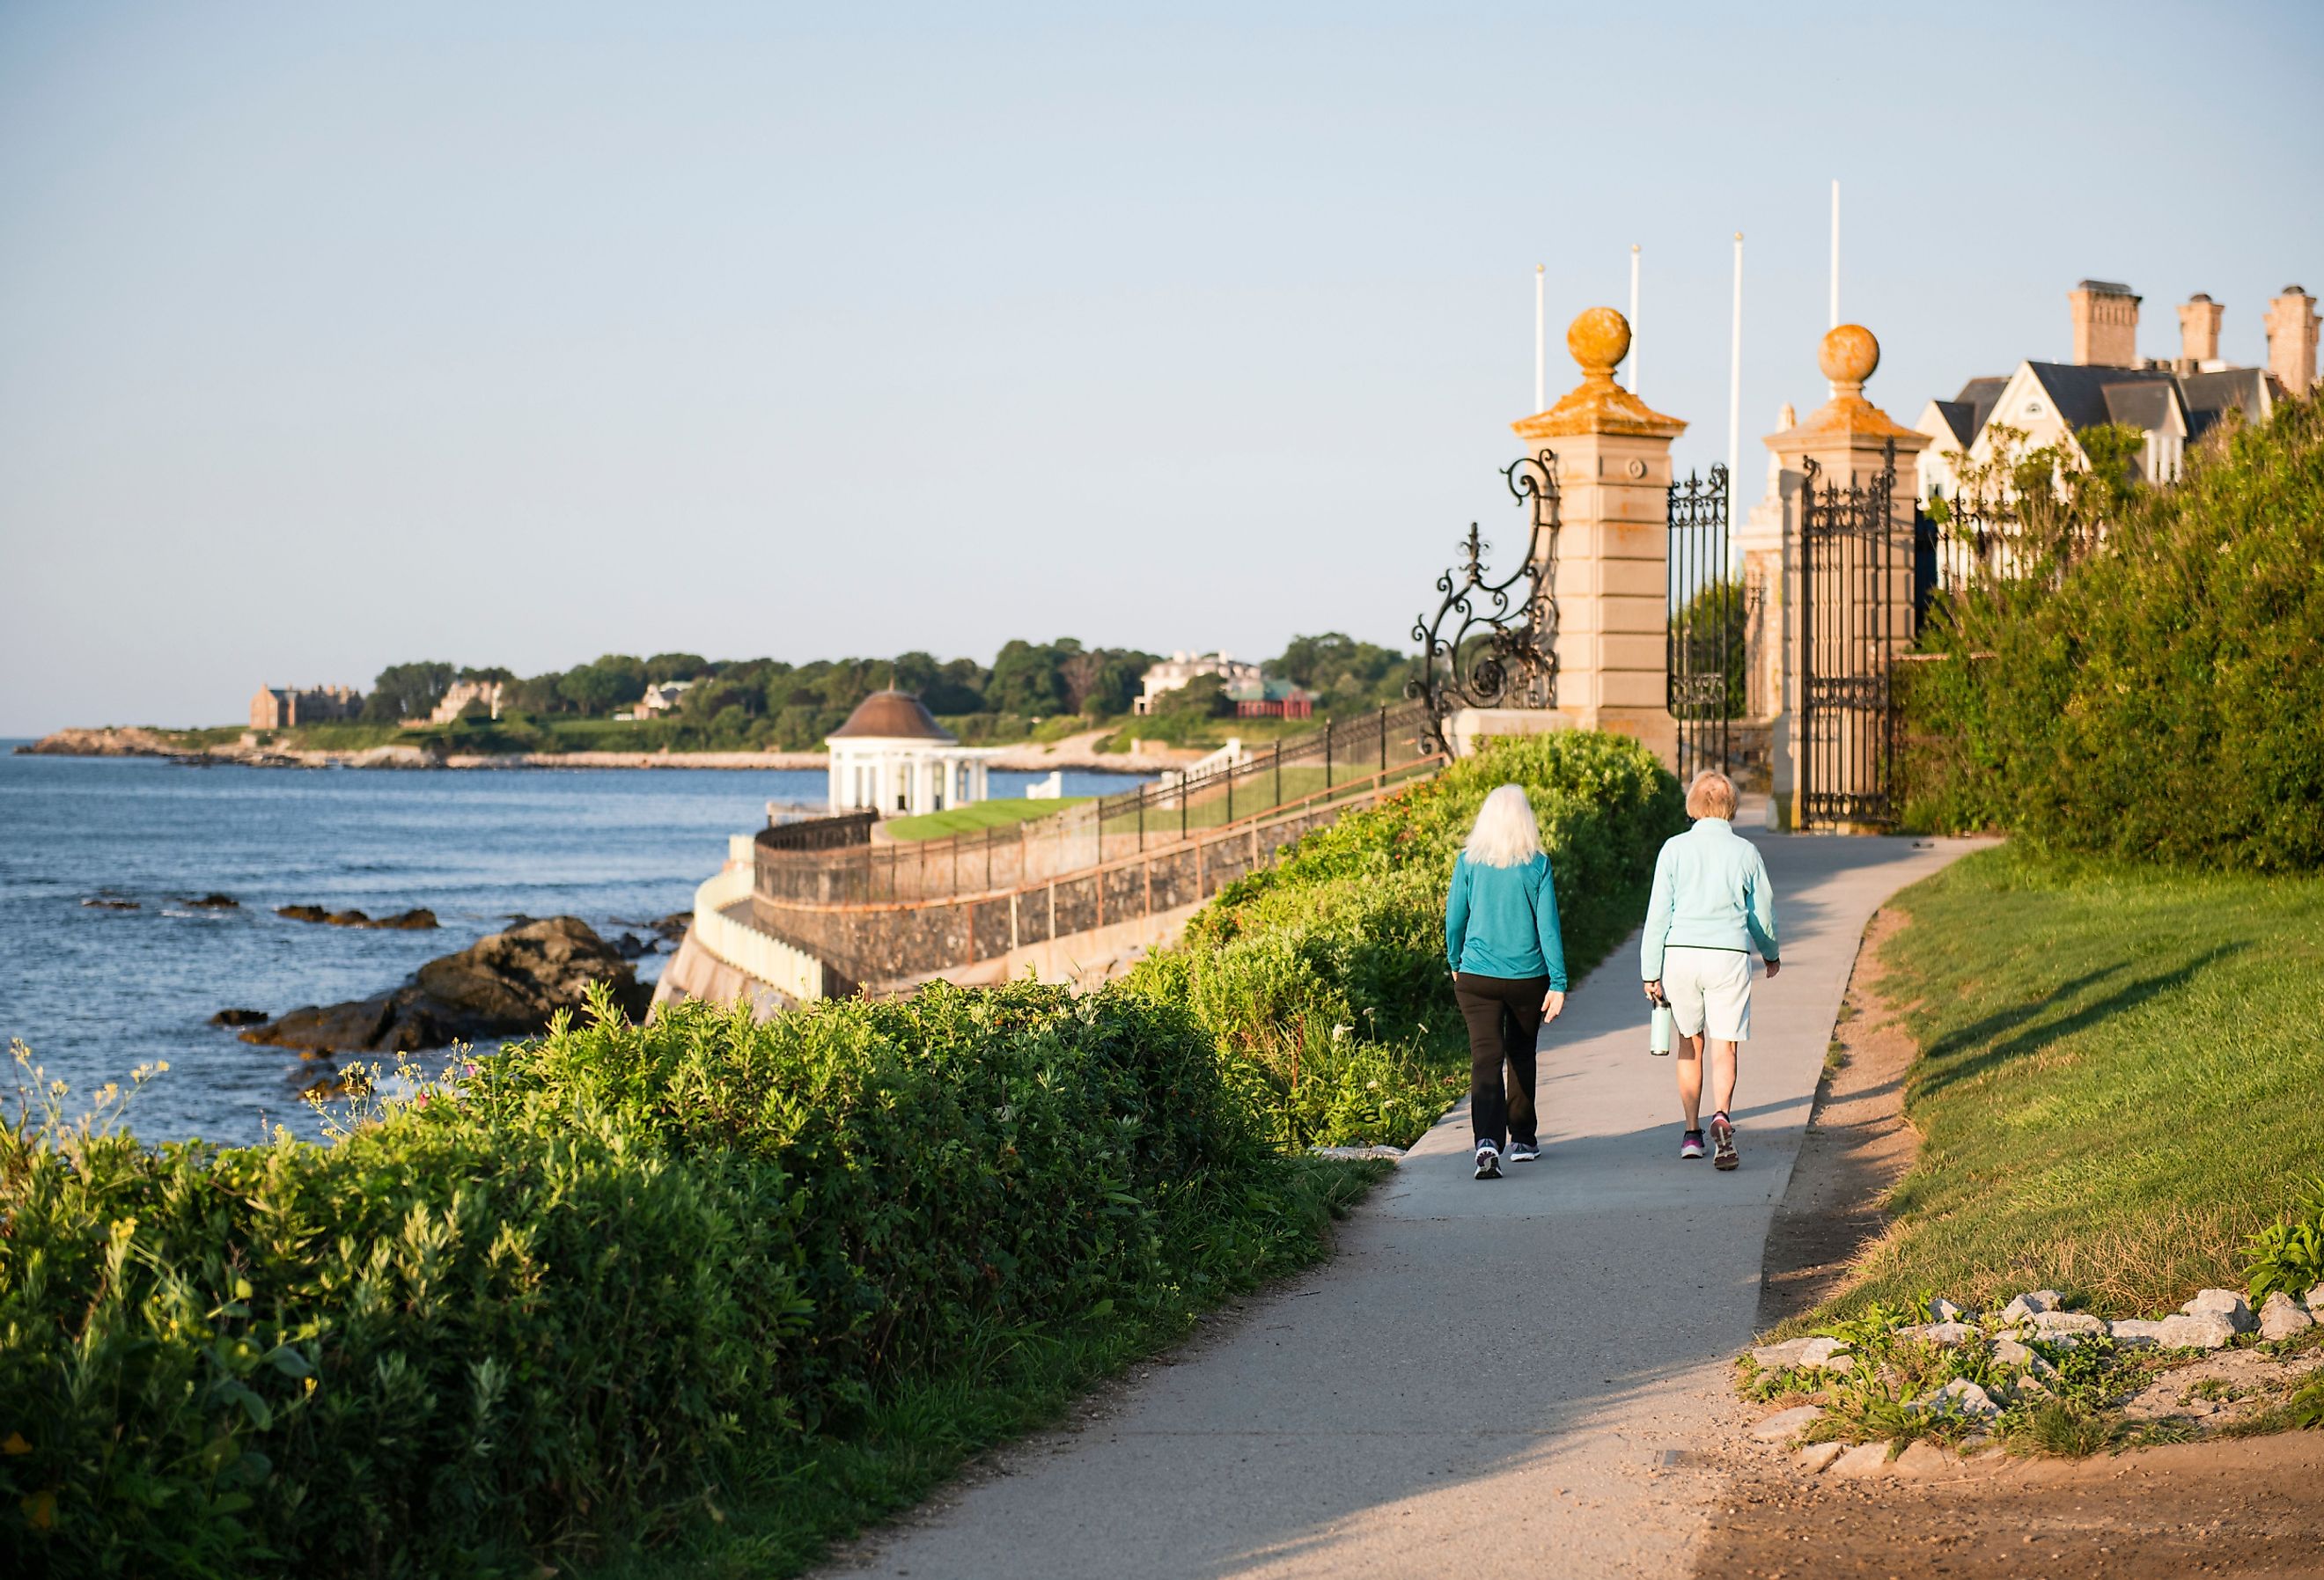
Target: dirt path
x: 1857, y: 1146
x: 2246, y: 1508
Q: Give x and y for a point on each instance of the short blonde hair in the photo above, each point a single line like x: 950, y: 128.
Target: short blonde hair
x: 1712, y: 795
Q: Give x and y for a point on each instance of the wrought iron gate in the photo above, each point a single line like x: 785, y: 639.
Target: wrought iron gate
x: 1492, y: 643
x: 1850, y: 621
x: 1703, y: 645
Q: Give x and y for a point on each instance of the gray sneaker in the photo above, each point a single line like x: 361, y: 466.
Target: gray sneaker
x: 1722, y: 1142
x: 1488, y: 1160
x: 1524, y: 1152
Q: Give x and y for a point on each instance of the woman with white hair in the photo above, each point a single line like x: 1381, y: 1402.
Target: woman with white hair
x: 1711, y: 907
x: 1508, y: 970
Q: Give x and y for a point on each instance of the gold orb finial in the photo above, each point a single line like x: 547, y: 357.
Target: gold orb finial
x: 1849, y: 356
x: 1598, y: 338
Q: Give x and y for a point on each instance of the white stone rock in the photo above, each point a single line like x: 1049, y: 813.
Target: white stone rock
x: 2053, y: 1324
x: 2135, y: 1333
x: 1943, y: 1310
x: 2280, y: 1317
x: 1865, y: 1459
x: 2315, y: 1301
x: 1817, y: 1458
x: 2029, y: 1304
x: 2207, y: 1332
x: 1959, y: 1397
x: 2008, y: 1351
x: 1820, y: 1352
x: 1946, y: 1334
x: 1786, y: 1425
x: 1812, y: 1354
x: 1780, y: 1357
x: 2222, y: 1303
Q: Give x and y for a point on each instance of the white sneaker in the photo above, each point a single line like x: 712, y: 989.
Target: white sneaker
x: 1488, y: 1160
x: 1524, y: 1152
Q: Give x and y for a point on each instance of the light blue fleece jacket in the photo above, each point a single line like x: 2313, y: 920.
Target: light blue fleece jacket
x: 1502, y: 921
x: 1711, y: 893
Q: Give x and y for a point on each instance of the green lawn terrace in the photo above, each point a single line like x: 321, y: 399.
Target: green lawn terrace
x: 977, y: 816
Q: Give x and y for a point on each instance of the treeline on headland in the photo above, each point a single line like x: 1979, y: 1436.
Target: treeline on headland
x: 1031, y: 690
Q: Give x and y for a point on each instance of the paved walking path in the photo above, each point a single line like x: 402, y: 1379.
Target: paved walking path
x: 1487, y: 1377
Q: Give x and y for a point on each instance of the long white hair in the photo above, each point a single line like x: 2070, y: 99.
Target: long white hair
x: 1505, y: 835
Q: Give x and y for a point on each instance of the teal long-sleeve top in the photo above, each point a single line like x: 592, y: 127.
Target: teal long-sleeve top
x: 1711, y: 893
x: 1502, y: 921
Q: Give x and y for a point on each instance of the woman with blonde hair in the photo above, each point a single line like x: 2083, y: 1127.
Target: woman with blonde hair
x: 1711, y: 908
x: 1508, y: 970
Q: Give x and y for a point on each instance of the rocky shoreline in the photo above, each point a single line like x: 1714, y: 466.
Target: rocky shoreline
x: 1077, y: 752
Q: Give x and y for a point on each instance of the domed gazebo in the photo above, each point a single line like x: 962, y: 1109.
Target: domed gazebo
x: 892, y: 756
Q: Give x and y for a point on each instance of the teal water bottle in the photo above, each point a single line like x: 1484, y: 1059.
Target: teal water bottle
x: 1658, y: 1029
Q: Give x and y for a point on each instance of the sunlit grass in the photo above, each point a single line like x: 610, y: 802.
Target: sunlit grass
x: 2118, y: 1080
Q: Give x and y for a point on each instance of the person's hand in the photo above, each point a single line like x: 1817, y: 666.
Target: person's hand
x: 1655, y: 991
x: 1774, y: 968
x: 1553, y: 1004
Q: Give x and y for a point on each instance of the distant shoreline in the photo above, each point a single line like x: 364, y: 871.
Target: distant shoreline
x: 136, y: 741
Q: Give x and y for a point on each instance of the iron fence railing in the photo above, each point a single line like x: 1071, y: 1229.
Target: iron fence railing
x: 1370, y: 749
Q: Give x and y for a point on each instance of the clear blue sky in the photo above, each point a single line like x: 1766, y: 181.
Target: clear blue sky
x: 333, y: 335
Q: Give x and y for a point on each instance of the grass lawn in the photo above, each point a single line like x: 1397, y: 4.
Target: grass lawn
x: 975, y: 816
x: 2120, y: 1068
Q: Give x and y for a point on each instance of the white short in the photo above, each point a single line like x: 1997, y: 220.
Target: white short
x: 1709, y: 989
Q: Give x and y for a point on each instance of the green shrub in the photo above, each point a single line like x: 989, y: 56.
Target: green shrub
x: 1322, y: 976
x: 555, y: 1303
x: 2160, y: 698
x: 2288, y: 1255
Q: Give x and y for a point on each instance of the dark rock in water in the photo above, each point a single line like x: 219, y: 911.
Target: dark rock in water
x: 103, y: 904
x: 508, y: 985
x: 240, y: 1018
x: 216, y: 902
x: 416, y: 919
x: 513, y: 981
x: 673, y: 926
x: 630, y: 947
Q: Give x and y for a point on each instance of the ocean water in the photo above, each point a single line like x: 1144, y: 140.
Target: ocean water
x: 95, y: 992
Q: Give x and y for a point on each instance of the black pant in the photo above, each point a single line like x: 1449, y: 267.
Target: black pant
x: 1504, y: 1016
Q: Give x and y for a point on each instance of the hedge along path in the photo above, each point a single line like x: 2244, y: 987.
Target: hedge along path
x: 1484, y: 1372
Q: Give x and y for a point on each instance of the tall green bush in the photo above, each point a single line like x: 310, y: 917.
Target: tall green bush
x: 563, y: 1300
x: 2160, y: 698
x: 1322, y: 976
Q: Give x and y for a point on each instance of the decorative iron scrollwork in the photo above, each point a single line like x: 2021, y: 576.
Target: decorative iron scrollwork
x: 1492, y: 643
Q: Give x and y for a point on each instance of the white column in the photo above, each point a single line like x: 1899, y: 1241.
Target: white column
x: 1634, y: 319
x: 1835, y: 255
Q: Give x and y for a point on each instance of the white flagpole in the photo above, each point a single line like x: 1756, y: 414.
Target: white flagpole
x: 1835, y: 254
x: 1540, y: 347
x: 1735, y: 377
x: 1634, y: 317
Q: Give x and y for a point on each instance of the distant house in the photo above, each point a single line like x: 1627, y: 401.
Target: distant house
x: 455, y: 701
x: 2172, y: 402
x: 1175, y: 671
x: 662, y: 697
x: 285, y: 708
x: 1265, y: 699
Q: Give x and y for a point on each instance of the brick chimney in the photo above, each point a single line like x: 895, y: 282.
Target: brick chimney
x: 2291, y: 339
x: 2198, y: 332
x: 2105, y: 324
